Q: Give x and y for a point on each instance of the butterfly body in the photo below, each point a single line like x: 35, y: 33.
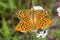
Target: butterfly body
x: 31, y: 19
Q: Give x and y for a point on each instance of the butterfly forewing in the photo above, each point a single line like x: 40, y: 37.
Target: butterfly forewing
x: 22, y: 14
x: 41, y: 13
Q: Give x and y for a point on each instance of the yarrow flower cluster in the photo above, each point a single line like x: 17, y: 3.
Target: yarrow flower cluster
x: 58, y: 10
x: 37, y: 8
x: 41, y: 34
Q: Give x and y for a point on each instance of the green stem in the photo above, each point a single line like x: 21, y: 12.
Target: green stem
x: 51, y: 6
x: 34, y: 2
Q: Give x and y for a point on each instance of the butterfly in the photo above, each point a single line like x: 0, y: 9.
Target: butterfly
x: 32, y: 19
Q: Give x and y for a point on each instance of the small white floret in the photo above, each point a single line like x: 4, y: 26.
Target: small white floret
x: 37, y: 8
x: 58, y: 10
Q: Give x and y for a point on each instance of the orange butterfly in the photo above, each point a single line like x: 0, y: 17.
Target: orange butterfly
x: 31, y: 19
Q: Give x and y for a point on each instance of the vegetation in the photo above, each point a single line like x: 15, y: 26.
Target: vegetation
x: 8, y: 20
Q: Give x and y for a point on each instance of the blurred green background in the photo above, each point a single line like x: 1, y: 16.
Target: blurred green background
x: 8, y: 20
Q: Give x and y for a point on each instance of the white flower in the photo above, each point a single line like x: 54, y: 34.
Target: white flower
x: 59, y: 14
x: 37, y: 8
x: 42, y: 34
x: 58, y: 10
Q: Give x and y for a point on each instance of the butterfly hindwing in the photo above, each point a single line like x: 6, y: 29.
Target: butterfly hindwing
x: 43, y: 23
x: 24, y: 25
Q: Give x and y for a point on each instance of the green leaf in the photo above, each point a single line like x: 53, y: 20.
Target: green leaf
x: 11, y: 4
x: 14, y: 38
x: 3, y: 5
x: 5, y: 29
x: 43, y: 39
x: 57, y: 33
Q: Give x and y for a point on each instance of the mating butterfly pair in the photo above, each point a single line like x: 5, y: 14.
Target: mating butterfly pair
x: 32, y: 19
